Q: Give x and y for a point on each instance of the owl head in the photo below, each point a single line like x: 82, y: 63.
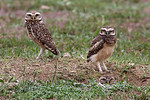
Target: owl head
x: 33, y: 16
x: 107, y: 31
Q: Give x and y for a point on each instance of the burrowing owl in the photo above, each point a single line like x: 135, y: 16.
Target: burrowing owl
x: 102, y: 46
x: 39, y: 33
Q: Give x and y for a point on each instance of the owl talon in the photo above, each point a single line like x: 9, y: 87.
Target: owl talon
x: 103, y: 72
x: 108, y: 71
x: 37, y: 58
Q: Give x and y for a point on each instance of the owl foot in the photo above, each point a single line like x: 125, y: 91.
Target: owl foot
x: 37, y: 58
x: 108, y: 71
x: 104, y: 72
x: 40, y: 53
x: 99, y: 67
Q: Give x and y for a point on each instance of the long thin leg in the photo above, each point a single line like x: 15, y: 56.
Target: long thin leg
x: 40, y: 53
x: 99, y: 67
x: 105, y: 66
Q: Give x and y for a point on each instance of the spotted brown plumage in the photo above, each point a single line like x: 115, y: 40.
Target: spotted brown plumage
x: 96, y: 45
x: 102, y: 46
x: 39, y: 33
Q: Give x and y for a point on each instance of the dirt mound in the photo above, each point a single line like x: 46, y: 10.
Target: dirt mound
x: 68, y: 68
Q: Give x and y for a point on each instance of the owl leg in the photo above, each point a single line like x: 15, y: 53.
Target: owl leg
x: 105, y: 66
x: 40, y: 53
x: 99, y: 67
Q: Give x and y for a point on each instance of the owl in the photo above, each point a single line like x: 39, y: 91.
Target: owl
x: 38, y: 32
x: 102, y: 47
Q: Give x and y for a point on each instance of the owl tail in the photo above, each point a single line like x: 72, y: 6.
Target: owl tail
x: 58, y: 52
x: 51, y: 47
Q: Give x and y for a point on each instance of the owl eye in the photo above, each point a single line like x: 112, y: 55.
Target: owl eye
x: 29, y: 15
x: 37, y: 15
x: 112, y: 33
x: 103, y: 32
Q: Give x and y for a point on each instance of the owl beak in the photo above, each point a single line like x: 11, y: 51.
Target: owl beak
x: 107, y: 33
x: 33, y: 17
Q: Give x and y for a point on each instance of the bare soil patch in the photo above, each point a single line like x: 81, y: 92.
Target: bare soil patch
x: 134, y: 26
x: 147, y: 1
x: 60, y: 17
x: 68, y: 68
x: 146, y: 10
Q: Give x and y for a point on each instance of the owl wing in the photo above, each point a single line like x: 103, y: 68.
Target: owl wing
x: 46, y: 39
x: 96, y: 45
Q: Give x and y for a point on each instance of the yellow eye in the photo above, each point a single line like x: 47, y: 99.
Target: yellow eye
x: 37, y: 15
x: 103, y: 32
x: 29, y: 15
x: 112, y: 33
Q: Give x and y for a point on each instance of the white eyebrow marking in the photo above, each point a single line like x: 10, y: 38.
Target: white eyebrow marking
x: 103, y: 28
x: 37, y: 13
x: 107, y: 29
x: 28, y: 13
x: 111, y: 29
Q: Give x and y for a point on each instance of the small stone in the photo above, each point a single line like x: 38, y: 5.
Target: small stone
x: 45, y: 7
x: 67, y: 55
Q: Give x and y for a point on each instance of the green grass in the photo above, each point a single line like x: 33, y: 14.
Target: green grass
x: 81, y: 26
x: 80, y: 30
x: 67, y: 89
